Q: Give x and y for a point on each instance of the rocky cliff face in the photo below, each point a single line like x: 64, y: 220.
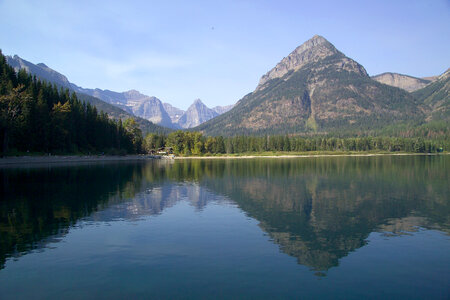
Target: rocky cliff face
x: 316, y: 89
x: 173, y: 112
x: 147, y: 107
x: 408, y: 83
x: 196, y: 114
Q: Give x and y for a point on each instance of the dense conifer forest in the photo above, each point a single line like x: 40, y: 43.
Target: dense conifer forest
x: 194, y: 143
x: 36, y: 116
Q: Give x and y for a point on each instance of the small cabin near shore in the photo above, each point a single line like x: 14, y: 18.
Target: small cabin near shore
x: 165, y: 151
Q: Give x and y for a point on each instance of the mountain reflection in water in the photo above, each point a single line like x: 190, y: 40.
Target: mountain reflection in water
x: 317, y: 210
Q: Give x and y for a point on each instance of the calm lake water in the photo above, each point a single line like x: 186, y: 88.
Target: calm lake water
x: 342, y: 228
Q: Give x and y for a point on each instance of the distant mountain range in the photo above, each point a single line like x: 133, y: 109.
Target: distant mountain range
x: 317, y: 89
x: 43, y: 72
x: 132, y: 102
x: 154, y: 110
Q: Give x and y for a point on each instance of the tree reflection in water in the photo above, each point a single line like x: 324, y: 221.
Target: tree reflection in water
x: 317, y: 209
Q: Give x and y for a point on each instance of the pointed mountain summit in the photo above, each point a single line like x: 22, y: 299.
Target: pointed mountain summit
x: 196, y: 114
x: 316, y: 89
x: 313, y: 50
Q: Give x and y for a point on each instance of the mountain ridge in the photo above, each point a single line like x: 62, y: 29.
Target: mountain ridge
x: 406, y: 82
x: 316, y: 89
x: 43, y: 72
x: 132, y: 101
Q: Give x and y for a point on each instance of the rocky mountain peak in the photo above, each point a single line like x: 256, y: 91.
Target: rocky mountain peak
x: 314, y: 49
x: 315, y: 41
x: 196, y: 114
x: 198, y: 102
x: 133, y: 94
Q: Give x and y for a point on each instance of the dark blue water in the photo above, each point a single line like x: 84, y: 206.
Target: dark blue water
x: 344, y: 227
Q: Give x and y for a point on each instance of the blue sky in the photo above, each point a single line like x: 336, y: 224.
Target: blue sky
x: 217, y: 50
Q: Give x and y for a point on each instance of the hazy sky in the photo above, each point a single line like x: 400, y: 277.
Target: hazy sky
x: 217, y: 50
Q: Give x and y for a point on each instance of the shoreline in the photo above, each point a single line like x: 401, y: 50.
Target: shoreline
x: 58, y: 159
x: 308, y: 155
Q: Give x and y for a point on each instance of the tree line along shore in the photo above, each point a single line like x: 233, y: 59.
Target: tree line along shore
x: 188, y: 143
x: 38, y: 118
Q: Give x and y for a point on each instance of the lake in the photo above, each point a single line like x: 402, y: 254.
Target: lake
x: 286, y: 228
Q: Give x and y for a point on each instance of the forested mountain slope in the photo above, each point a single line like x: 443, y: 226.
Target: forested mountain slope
x: 317, y: 89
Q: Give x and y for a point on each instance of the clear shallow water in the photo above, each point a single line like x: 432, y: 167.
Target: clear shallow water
x: 344, y: 227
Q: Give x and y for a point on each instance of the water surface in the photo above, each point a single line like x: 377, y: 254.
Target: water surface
x: 339, y: 227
